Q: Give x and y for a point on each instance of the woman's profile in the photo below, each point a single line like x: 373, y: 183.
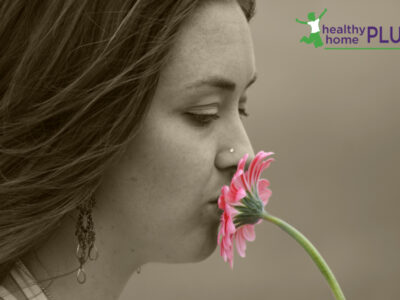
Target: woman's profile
x: 120, y: 121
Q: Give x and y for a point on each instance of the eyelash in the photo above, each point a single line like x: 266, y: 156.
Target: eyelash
x: 205, y: 119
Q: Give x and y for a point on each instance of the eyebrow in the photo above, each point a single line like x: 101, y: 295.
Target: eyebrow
x: 218, y: 82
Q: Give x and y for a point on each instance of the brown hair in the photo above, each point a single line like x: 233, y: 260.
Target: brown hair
x: 76, y: 82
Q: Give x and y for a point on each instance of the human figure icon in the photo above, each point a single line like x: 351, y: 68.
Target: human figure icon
x: 315, y: 36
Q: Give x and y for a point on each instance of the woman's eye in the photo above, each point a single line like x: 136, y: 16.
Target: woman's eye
x: 203, y: 119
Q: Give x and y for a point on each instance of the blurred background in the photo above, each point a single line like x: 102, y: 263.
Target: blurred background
x: 333, y: 119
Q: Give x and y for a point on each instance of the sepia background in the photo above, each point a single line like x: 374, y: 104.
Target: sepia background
x: 333, y: 119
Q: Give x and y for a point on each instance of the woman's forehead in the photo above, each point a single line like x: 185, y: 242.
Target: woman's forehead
x: 216, y: 41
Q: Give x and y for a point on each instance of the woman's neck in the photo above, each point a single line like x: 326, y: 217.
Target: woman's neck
x: 105, y: 278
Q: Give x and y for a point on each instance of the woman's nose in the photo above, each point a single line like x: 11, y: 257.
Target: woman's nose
x: 233, y: 147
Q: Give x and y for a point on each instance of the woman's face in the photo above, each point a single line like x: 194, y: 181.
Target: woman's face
x: 163, y: 192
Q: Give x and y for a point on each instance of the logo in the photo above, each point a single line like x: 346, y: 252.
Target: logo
x: 315, y: 37
x: 350, y: 36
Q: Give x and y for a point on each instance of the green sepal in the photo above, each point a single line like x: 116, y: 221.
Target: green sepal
x: 242, y: 219
x: 250, y: 212
x: 244, y: 210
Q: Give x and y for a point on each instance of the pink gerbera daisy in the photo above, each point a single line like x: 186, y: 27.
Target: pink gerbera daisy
x: 242, y: 204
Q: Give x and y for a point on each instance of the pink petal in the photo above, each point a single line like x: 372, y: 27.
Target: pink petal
x: 222, y: 197
x: 252, y: 168
x: 240, y: 195
x: 230, y: 227
x: 241, y: 184
x: 263, y: 166
x: 237, y: 182
x: 244, y: 182
x: 240, y: 242
x: 223, y: 254
x: 237, y: 174
x: 236, y: 191
x: 249, y: 232
x: 225, y: 225
x: 227, y: 254
x: 263, y: 191
x: 242, y: 162
x: 227, y: 241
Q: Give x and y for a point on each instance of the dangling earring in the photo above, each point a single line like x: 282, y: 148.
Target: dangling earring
x: 86, y: 236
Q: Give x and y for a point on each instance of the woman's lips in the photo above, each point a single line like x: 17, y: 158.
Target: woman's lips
x: 214, y: 201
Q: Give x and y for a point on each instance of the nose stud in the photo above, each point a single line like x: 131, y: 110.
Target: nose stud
x: 231, y: 150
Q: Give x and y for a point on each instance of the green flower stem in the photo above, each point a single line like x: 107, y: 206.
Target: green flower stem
x: 311, y: 250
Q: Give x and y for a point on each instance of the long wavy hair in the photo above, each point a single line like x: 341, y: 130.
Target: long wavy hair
x: 76, y: 80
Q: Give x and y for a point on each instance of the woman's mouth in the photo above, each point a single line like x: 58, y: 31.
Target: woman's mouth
x: 214, y: 201
x: 213, y: 206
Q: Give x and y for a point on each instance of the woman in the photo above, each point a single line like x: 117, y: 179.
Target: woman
x: 120, y: 122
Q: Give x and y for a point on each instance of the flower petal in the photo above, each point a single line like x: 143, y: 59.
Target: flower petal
x: 222, y: 197
x: 240, y: 242
x: 263, y: 166
x: 243, y: 184
x: 231, y: 263
x: 235, y: 195
x: 253, y: 167
x: 230, y: 227
x: 249, y: 232
x: 263, y: 191
x: 237, y: 182
x: 242, y: 162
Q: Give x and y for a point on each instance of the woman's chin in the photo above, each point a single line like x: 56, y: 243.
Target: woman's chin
x: 206, y: 252
x: 207, y: 247
x: 196, y: 249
